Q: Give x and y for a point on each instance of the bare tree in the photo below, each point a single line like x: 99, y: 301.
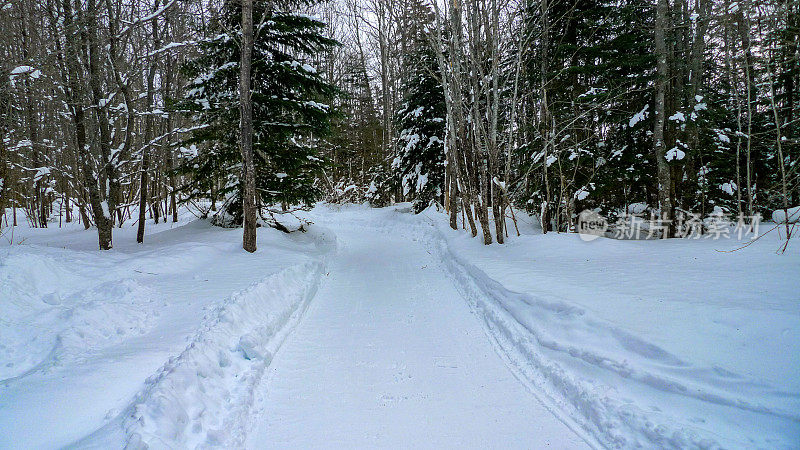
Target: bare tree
x: 246, y: 130
x: 659, y: 145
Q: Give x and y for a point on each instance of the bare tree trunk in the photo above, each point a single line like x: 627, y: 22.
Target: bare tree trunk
x: 32, y: 119
x: 101, y: 214
x: 697, y: 78
x: 109, y: 168
x: 246, y: 131
x: 659, y: 147
x: 155, y: 196
x: 778, y: 143
x: 733, y: 77
x: 123, y: 86
x: 743, y: 26
x: 3, y: 163
x: 452, y: 198
x: 544, y: 119
x: 148, y: 134
x: 494, y: 148
x: 456, y: 142
x: 168, y: 82
x: 483, y: 207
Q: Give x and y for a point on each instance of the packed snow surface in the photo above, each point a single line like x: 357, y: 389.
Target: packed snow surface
x: 380, y: 328
x: 389, y: 355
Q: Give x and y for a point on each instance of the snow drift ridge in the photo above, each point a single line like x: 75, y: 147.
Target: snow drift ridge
x: 180, y: 406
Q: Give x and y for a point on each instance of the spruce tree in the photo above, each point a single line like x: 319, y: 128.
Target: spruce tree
x: 289, y: 107
x: 421, y: 120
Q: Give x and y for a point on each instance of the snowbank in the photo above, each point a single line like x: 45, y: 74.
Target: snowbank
x: 81, y: 330
x: 51, y: 314
x: 202, y: 397
x: 614, y: 383
x: 779, y: 215
x: 606, y: 380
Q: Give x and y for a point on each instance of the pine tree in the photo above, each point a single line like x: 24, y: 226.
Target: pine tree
x: 290, y: 110
x: 421, y: 120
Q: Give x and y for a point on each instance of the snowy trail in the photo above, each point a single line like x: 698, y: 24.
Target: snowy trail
x: 389, y: 355
x: 380, y: 328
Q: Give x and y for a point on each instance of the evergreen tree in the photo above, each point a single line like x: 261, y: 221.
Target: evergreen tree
x: 596, y: 64
x: 421, y: 120
x: 290, y: 110
x: 355, y: 141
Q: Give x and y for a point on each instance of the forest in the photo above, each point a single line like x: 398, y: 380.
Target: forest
x: 249, y: 224
x: 122, y: 111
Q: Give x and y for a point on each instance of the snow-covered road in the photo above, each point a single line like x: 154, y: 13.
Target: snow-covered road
x: 389, y: 355
x: 380, y: 328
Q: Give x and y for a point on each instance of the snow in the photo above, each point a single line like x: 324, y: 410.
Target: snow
x: 602, y: 333
x: 592, y: 91
x: 89, y: 338
x: 171, y: 46
x: 40, y: 173
x: 675, y: 154
x: 380, y: 328
x: 411, y: 141
x: 389, y: 355
x: 678, y: 117
x: 638, y: 117
x: 180, y: 405
x: 104, y: 205
x: 499, y: 183
x: 317, y: 105
x: 637, y: 208
x: 729, y: 187
x: 306, y: 67
x: 147, y: 18
x: 779, y: 215
x: 21, y: 69
x: 61, y: 325
x: 24, y: 70
x: 422, y: 181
